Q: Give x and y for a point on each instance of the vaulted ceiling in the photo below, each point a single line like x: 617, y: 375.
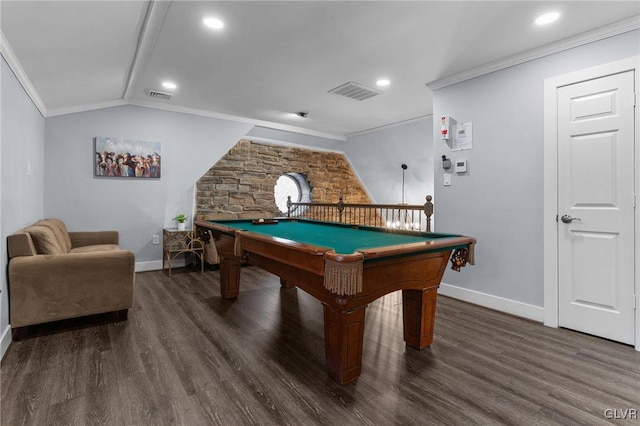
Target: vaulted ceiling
x: 273, y: 59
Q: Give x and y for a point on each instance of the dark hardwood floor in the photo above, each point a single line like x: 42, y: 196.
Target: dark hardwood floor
x: 186, y: 356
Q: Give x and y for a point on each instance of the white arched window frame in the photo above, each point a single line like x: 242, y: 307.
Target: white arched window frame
x: 294, y: 185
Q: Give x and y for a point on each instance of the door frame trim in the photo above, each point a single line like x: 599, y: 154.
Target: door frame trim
x: 550, y: 208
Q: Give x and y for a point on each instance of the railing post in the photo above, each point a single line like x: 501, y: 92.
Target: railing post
x: 428, y: 211
x: 288, y: 205
x: 340, y: 208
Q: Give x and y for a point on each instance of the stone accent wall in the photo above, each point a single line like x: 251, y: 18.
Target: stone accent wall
x: 242, y: 182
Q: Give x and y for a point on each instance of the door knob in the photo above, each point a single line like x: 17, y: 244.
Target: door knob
x: 568, y: 219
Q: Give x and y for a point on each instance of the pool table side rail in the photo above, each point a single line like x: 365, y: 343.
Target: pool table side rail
x: 441, y: 242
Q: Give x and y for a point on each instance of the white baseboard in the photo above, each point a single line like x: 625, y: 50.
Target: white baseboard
x: 5, y: 341
x: 156, y: 265
x: 152, y: 265
x: 512, y: 307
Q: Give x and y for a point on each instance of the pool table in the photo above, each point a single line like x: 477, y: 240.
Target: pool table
x: 345, y: 267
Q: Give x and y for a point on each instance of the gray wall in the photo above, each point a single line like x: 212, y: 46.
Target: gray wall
x: 378, y: 155
x: 500, y: 200
x: 22, y: 142
x: 138, y: 209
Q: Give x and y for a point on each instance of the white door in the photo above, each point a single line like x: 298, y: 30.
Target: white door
x: 596, y: 189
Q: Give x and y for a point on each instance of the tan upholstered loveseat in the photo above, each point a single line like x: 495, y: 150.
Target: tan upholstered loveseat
x: 55, y: 274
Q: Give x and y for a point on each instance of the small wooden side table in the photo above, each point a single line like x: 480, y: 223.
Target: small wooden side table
x: 176, y: 242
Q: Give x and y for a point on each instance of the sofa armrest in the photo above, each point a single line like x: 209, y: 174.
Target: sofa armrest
x: 47, y: 288
x: 20, y: 244
x: 83, y: 239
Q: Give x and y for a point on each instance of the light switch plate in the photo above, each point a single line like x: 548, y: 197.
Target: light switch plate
x: 447, y: 179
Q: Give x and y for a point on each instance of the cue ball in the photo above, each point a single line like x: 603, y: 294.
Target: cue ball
x: 260, y: 220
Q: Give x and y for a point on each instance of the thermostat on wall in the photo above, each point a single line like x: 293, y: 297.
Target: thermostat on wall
x: 461, y: 166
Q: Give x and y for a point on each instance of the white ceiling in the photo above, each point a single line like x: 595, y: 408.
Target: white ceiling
x: 276, y: 58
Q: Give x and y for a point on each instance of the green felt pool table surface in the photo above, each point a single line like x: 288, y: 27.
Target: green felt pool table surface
x: 345, y: 239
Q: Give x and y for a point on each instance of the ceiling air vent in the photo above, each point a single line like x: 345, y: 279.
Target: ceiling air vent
x: 156, y: 94
x: 354, y: 91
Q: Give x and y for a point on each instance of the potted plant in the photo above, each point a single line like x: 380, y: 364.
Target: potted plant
x: 182, y: 221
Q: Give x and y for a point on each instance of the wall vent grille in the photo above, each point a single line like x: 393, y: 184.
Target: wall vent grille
x: 156, y: 94
x: 354, y: 91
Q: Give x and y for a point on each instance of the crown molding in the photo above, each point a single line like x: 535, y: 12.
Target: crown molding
x: 277, y: 142
x: 21, y: 75
x: 601, y: 33
x: 389, y: 126
x: 238, y: 119
x: 86, y: 107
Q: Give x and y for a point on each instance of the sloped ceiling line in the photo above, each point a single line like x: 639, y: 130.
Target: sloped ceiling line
x: 222, y: 116
x: 149, y: 33
x: 601, y: 33
x: 21, y: 75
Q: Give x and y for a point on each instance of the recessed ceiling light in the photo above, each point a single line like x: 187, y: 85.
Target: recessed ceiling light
x: 383, y: 82
x: 547, y: 18
x: 302, y: 114
x: 214, y: 23
x: 168, y: 85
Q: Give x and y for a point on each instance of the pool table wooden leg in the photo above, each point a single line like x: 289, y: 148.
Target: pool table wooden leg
x: 230, y: 277
x: 419, y: 316
x: 285, y: 284
x: 343, y: 335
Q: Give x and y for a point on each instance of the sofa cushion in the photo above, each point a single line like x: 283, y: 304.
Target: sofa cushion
x: 59, y: 231
x: 44, y: 240
x: 97, y: 247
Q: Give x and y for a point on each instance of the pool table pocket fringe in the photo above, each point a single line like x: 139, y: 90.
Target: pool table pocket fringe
x: 237, y: 247
x: 472, y: 255
x: 343, y: 278
x: 462, y: 256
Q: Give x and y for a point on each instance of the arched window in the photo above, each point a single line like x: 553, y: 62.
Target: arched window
x: 294, y: 185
